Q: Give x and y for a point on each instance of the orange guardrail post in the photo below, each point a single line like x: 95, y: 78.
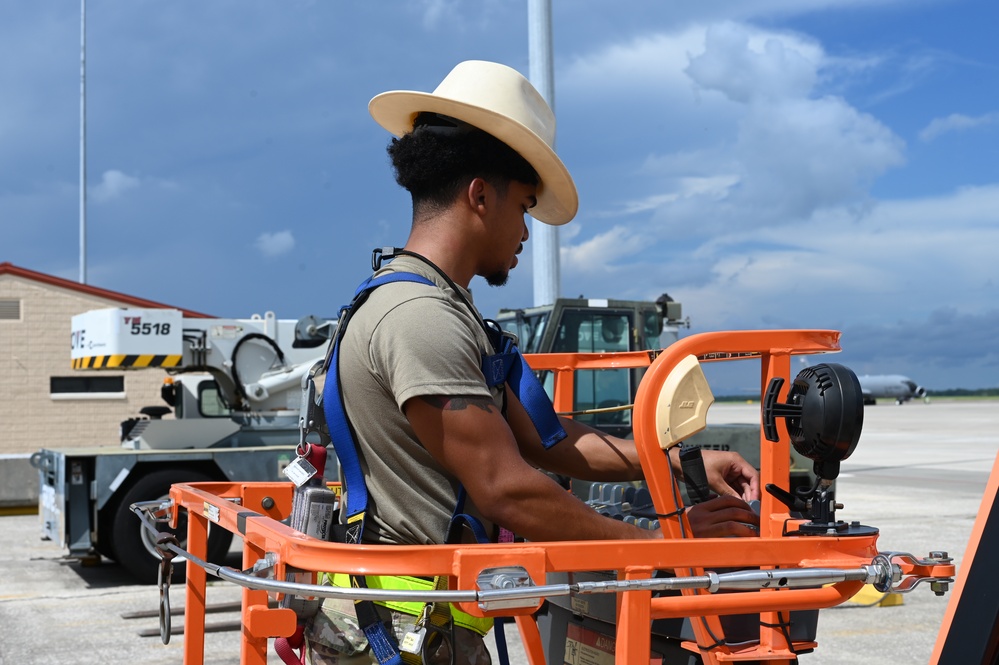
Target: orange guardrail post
x: 196, y: 588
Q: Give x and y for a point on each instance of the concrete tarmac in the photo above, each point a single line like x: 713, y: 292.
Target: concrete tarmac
x: 918, y: 475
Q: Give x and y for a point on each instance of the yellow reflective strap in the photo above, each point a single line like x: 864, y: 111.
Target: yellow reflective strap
x: 440, y: 613
x: 481, y: 625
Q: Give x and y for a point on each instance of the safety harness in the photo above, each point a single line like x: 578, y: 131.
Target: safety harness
x: 504, y: 366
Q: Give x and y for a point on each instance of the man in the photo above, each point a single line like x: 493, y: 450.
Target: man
x: 476, y: 157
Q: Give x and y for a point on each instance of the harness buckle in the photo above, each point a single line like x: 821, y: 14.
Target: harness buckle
x: 380, y: 254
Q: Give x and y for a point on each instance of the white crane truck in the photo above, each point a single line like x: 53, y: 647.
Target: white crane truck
x: 234, y: 387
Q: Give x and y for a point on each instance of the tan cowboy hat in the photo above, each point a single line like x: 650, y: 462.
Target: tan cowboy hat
x: 497, y: 100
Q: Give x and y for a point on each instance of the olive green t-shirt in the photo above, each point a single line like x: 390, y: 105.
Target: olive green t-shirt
x: 408, y: 340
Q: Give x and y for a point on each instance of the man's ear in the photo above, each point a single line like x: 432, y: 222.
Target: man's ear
x: 478, y: 195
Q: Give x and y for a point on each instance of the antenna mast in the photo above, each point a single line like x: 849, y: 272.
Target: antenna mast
x: 83, y: 141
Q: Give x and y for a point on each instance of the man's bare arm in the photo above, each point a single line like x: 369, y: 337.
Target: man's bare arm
x: 589, y: 454
x: 586, y: 453
x: 470, y: 438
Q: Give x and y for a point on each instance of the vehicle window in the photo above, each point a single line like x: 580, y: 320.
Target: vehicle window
x: 86, y: 387
x: 512, y: 326
x: 210, y: 401
x: 653, y: 328
x: 593, y: 331
x: 597, y: 331
x: 532, y: 341
x: 528, y: 329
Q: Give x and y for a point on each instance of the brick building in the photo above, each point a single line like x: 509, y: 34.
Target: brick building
x: 43, y: 401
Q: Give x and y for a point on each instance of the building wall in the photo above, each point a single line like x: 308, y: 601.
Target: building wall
x: 35, y: 348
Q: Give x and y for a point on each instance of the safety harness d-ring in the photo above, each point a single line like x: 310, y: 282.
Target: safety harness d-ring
x: 163, y: 579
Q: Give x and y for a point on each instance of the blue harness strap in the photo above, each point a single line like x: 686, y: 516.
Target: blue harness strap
x: 507, y: 365
x: 382, y: 642
x: 336, y: 414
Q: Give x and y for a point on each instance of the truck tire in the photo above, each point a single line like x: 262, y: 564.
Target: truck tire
x: 134, y: 546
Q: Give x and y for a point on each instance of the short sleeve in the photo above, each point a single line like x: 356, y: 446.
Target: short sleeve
x: 426, y: 346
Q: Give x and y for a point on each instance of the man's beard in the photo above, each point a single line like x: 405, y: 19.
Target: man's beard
x: 498, y: 278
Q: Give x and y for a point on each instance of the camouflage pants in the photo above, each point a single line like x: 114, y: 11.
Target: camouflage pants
x: 333, y: 637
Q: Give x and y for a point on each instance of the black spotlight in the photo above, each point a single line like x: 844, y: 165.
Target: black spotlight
x: 824, y: 414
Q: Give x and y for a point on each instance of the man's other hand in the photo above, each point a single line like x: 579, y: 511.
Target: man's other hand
x: 723, y: 516
x: 730, y: 475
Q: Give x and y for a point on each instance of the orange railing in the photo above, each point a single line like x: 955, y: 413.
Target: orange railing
x: 253, y: 511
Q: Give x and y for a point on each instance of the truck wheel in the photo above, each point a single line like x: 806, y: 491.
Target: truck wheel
x: 134, y: 546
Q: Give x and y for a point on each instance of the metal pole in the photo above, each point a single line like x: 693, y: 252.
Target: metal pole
x: 83, y: 141
x: 545, y: 237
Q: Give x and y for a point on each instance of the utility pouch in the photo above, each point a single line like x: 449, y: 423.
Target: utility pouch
x: 316, y: 513
x: 334, y: 631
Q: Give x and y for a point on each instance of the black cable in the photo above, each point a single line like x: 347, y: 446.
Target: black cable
x: 454, y: 287
x: 677, y: 499
x: 240, y: 390
x: 490, y: 332
x: 785, y: 628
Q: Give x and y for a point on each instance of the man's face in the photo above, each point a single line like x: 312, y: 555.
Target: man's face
x: 509, y: 229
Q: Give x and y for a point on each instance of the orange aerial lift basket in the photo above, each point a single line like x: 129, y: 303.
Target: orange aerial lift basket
x: 800, y: 562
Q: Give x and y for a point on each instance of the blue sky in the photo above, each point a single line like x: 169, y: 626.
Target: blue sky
x: 768, y: 163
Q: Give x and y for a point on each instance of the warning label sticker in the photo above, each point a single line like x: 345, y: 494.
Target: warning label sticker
x: 212, y: 512
x: 588, y: 647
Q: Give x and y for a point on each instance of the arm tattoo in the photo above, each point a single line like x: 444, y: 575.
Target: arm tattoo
x: 459, y: 403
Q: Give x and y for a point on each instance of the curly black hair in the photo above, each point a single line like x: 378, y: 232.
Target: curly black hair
x: 441, y: 155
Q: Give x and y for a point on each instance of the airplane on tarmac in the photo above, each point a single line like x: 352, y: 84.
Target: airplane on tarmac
x: 894, y: 386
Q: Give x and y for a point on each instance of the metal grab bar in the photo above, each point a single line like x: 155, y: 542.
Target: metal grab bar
x: 503, y: 587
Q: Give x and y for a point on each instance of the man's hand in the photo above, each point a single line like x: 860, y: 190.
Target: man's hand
x: 730, y: 475
x: 723, y: 516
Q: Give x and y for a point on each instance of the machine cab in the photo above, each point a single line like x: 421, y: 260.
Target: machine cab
x: 591, y: 326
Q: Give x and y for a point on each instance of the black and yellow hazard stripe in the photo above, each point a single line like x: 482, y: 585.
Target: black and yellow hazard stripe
x: 126, y: 362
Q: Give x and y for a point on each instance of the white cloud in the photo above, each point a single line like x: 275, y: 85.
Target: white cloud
x: 599, y: 253
x: 113, y: 185
x: 645, y: 65
x: 955, y: 122
x: 800, y: 155
x: 789, y: 152
x: 272, y: 245
x: 454, y: 14
x: 434, y: 11
x: 735, y: 129
x: 710, y: 188
x: 650, y: 202
x: 746, y: 64
x: 917, y: 255
x: 753, y: 192
x: 838, y: 269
